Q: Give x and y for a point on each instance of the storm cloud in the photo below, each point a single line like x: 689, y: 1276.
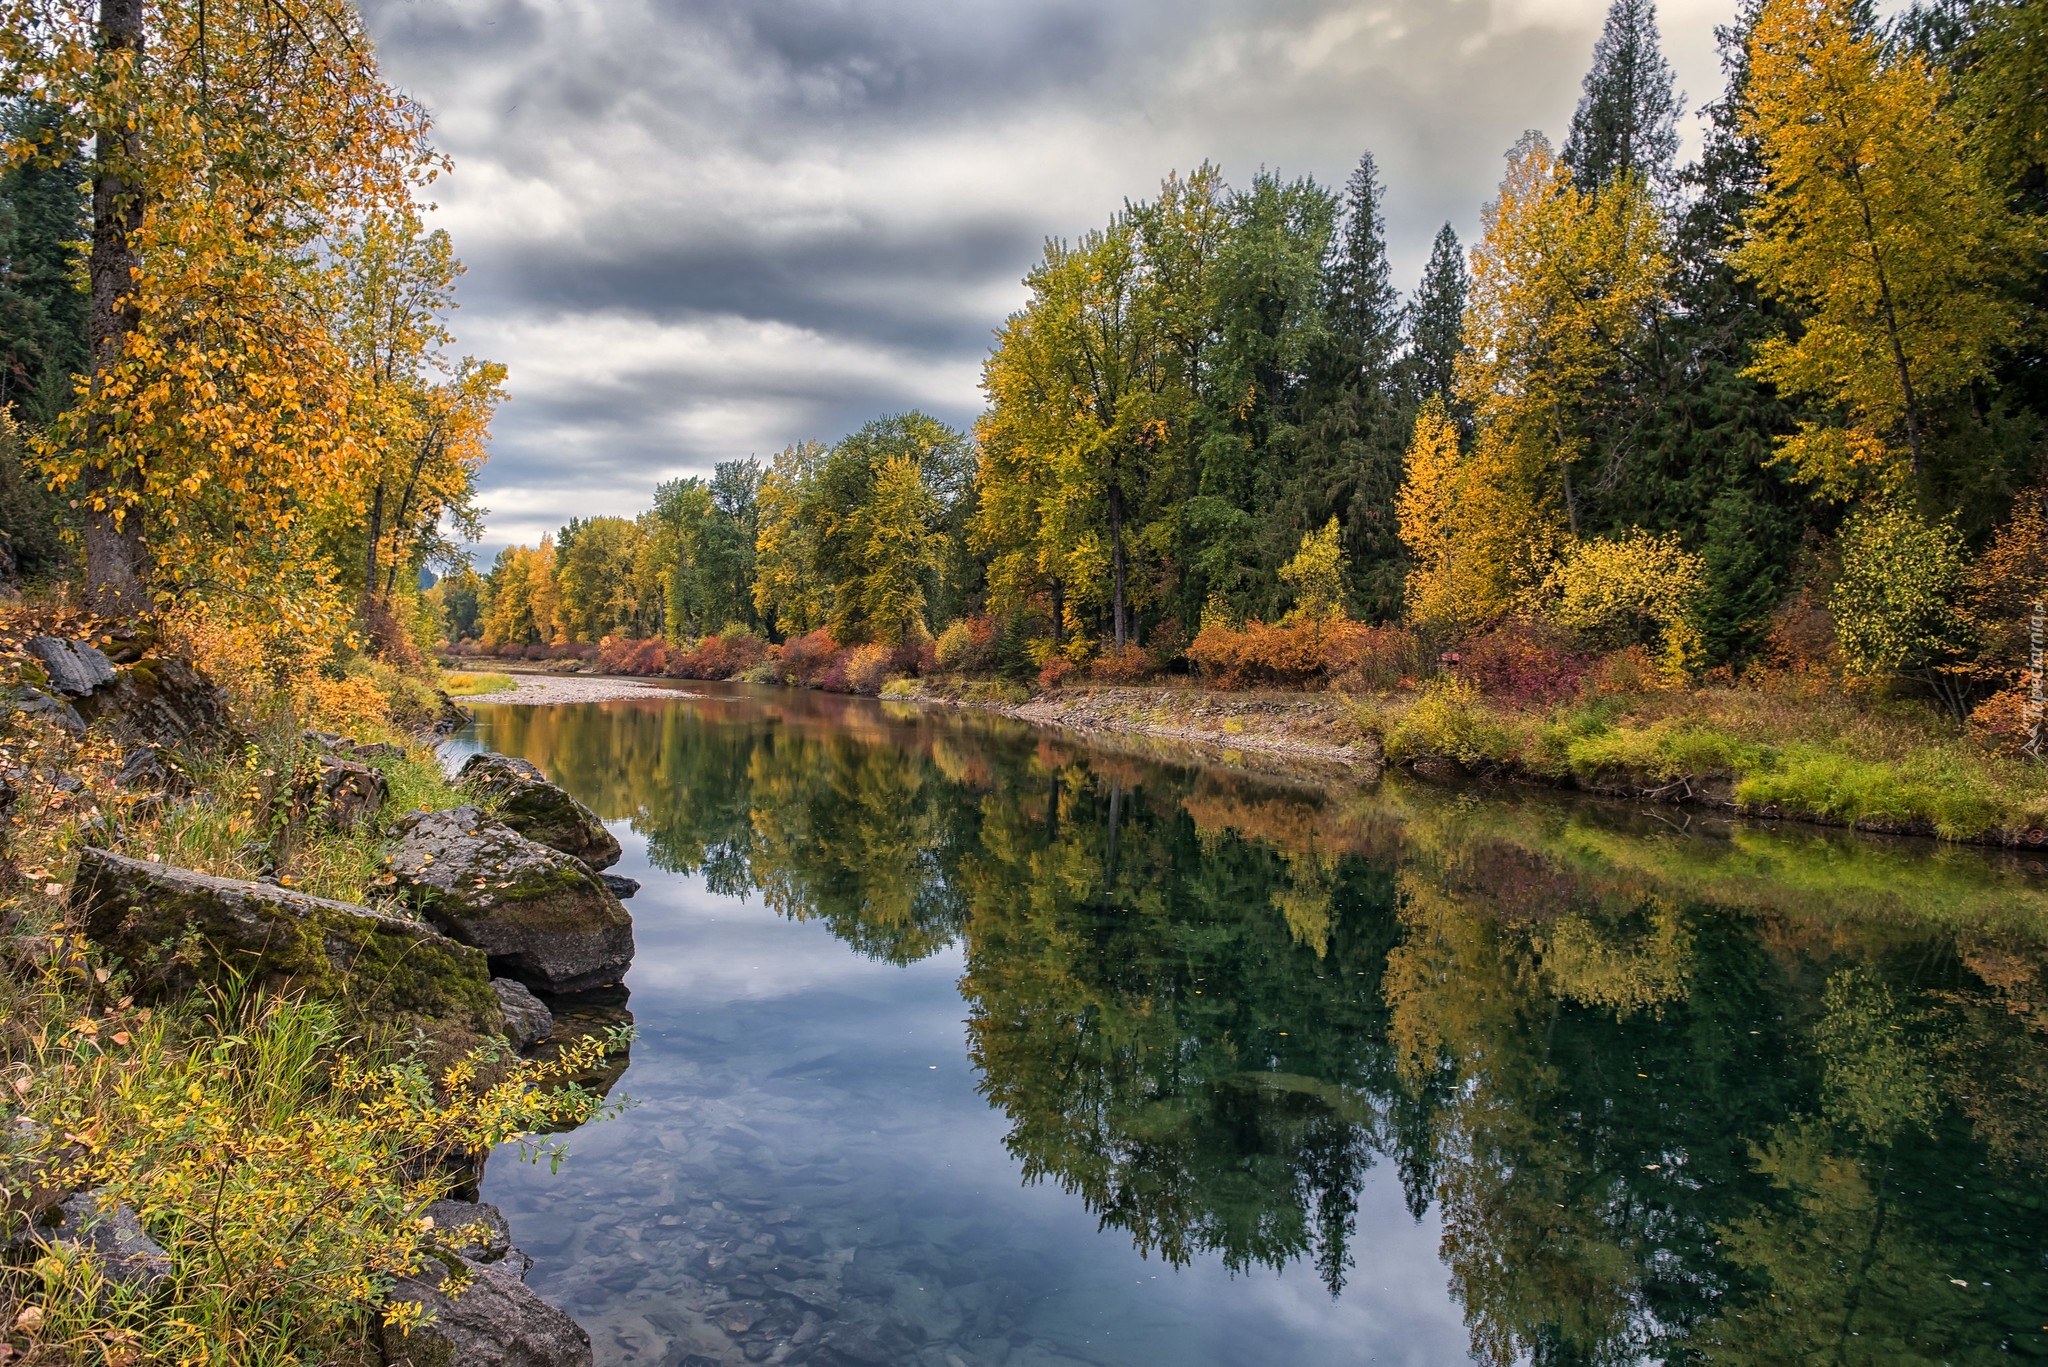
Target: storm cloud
x: 703, y: 229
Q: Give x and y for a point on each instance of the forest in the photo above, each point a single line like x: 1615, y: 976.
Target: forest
x: 1777, y: 409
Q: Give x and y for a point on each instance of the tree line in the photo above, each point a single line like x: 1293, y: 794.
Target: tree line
x: 1682, y: 407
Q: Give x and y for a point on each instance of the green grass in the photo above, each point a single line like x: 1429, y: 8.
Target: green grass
x: 472, y: 685
x: 1828, y: 758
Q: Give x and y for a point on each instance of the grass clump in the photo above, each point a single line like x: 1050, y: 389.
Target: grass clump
x: 476, y: 685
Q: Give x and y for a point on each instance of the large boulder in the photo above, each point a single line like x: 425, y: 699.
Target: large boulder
x: 539, y: 810
x: 346, y: 794
x: 178, y: 929
x: 494, y: 1321
x: 158, y: 700
x: 541, y: 915
x: 75, y: 669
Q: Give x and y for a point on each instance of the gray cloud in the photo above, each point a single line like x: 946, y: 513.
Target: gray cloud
x: 700, y: 229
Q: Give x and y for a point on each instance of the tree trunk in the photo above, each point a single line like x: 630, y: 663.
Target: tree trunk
x: 370, y: 558
x: 116, y: 555
x: 1116, y: 565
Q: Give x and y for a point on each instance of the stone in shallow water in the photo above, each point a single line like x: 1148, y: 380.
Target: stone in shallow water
x: 496, y: 1321
x: 527, y: 1019
x: 541, y: 915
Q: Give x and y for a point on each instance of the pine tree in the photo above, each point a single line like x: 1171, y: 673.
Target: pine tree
x: 42, y: 310
x: 1355, y: 412
x: 1436, y: 321
x: 1627, y: 120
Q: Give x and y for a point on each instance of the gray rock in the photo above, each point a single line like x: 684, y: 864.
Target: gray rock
x: 76, y: 668
x: 496, y: 1321
x: 527, y: 1019
x: 539, y: 810
x: 178, y: 929
x: 348, y: 795
x: 541, y: 915
x: 163, y: 700
x: 152, y: 768
x: 128, y: 1257
x: 34, y: 703
x: 471, y: 1229
x: 619, y: 885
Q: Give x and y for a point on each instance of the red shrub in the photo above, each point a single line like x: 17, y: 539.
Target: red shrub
x: 1521, y: 662
x: 805, y: 659
x: 511, y: 650
x: 619, y: 655
x: 718, y: 657
x: 1054, y: 672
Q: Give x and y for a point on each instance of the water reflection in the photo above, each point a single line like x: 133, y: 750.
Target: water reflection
x: 1721, y: 1096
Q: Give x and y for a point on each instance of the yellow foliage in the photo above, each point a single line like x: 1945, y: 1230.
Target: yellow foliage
x: 1881, y: 226
x: 1316, y: 574
x: 1628, y: 591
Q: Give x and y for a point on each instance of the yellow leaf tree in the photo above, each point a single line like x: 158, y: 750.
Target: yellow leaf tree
x: 1881, y: 225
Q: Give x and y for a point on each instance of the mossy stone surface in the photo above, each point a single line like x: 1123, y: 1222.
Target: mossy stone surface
x: 539, y: 810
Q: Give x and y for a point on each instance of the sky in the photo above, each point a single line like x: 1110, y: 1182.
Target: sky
x: 698, y: 230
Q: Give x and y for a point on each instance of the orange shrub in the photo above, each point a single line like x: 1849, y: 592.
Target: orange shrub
x: 1128, y: 665
x: 718, y: 657
x: 1359, y: 658
x: 1054, y: 672
x: 1287, y: 656
x: 2000, y: 723
x: 867, y: 667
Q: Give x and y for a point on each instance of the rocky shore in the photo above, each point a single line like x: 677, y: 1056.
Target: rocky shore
x: 492, y: 911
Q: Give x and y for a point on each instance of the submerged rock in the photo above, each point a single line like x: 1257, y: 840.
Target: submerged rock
x: 539, y: 810
x: 495, y: 1321
x: 527, y: 1020
x: 127, y: 1256
x: 178, y: 929
x: 541, y: 915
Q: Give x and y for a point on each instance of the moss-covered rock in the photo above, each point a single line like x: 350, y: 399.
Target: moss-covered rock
x: 177, y: 930
x: 541, y: 915
x: 539, y: 810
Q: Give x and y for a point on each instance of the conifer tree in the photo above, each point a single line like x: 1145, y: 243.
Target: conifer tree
x: 1355, y: 409
x: 1627, y: 119
x: 42, y: 310
x: 1436, y: 321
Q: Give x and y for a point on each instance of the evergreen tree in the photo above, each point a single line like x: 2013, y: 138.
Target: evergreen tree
x: 42, y: 310
x: 1355, y: 413
x: 1627, y: 120
x: 1436, y: 321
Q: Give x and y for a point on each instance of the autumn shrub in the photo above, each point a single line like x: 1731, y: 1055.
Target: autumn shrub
x: 1128, y: 665
x: 806, y: 659
x: 1636, y: 589
x: 511, y: 650
x: 2002, y: 724
x: 968, y: 646
x: 1524, y: 663
x: 1359, y: 658
x: 865, y: 669
x: 281, y: 1163
x: 1448, y: 720
x: 1630, y: 670
x: 1054, y: 672
x: 732, y: 652
x: 1287, y: 655
x: 624, y: 655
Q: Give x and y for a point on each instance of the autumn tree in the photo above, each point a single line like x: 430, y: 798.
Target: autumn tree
x: 232, y: 140
x: 1882, y: 228
x: 789, y: 590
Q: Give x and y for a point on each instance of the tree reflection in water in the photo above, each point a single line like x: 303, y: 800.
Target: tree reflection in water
x: 1731, y: 1096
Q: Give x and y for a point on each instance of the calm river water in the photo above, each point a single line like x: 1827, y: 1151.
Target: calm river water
x: 963, y: 1043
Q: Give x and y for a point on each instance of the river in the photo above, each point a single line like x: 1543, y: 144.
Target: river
x: 964, y: 1043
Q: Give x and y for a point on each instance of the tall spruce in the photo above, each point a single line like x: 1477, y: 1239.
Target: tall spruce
x: 42, y: 310
x: 1436, y: 321
x: 1627, y: 120
x: 1355, y: 410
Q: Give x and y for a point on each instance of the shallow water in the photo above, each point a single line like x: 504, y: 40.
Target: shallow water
x: 963, y: 1043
